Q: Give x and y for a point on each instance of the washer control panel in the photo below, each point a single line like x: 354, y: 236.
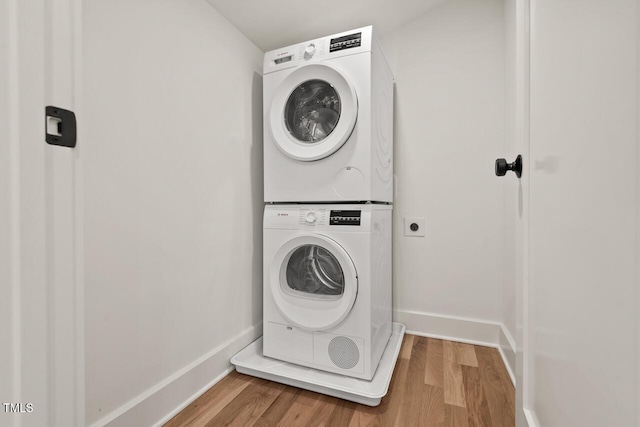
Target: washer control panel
x: 342, y: 44
x: 345, y: 217
x: 346, y: 42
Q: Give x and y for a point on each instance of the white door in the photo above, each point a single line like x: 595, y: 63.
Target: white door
x: 313, y: 112
x: 41, y: 380
x: 313, y: 282
x: 582, y: 358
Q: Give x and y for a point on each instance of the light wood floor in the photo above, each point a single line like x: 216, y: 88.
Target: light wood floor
x: 435, y: 383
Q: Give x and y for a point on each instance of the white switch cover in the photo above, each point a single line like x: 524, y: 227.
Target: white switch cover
x: 419, y: 221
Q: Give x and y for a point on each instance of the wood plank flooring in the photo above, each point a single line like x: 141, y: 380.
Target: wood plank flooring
x: 435, y: 383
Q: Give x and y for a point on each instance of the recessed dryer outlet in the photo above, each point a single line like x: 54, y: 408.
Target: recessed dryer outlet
x: 414, y: 226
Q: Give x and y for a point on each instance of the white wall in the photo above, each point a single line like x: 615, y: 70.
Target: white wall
x: 449, y: 128
x: 172, y: 177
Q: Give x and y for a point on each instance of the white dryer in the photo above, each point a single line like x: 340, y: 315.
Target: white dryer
x: 328, y: 121
x: 327, y: 286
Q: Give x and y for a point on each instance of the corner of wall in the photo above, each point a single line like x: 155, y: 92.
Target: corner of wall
x: 238, y: 30
x: 163, y: 401
x: 461, y: 329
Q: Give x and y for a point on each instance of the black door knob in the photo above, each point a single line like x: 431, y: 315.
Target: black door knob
x: 502, y: 166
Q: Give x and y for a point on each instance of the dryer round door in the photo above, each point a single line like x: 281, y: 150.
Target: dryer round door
x: 313, y: 282
x: 313, y: 112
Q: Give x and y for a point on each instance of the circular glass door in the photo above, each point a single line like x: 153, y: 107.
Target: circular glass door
x: 313, y: 112
x: 313, y: 282
x: 313, y: 272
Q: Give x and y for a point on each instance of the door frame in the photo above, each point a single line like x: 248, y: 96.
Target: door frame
x: 524, y: 364
x: 45, y: 279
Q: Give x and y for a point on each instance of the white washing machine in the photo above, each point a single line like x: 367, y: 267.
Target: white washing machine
x: 328, y: 121
x: 327, y: 286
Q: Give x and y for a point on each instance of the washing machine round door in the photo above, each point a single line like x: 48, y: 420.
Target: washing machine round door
x: 313, y: 112
x: 313, y: 282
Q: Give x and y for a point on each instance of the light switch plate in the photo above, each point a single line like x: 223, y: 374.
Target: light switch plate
x: 419, y: 221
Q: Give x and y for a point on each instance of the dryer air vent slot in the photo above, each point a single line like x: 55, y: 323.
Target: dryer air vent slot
x: 344, y: 352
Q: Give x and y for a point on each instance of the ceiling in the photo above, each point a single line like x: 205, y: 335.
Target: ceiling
x: 272, y: 24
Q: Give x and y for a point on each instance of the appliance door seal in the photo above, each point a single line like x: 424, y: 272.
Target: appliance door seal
x: 313, y: 282
x: 313, y: 112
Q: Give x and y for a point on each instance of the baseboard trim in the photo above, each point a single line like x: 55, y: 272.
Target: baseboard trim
x: 531, y: 418
x: 193, y: 397
x: 163, y: 401
x: 507, y: 348
x: 461, y: 329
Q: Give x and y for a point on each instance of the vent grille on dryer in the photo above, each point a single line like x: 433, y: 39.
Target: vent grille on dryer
x: 344, y: 352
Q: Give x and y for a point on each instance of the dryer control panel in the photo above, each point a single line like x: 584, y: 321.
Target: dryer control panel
x: 344, y: 217
x: 319, y: 218
x: 312, y: 217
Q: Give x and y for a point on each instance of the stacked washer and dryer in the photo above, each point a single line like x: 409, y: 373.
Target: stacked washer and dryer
x: 328, y: 184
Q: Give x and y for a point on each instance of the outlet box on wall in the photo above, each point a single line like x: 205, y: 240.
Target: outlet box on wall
x: 414, y: 226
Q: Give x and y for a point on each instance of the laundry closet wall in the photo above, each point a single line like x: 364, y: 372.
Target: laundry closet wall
x: 449, y: 67
x: 172, y: 196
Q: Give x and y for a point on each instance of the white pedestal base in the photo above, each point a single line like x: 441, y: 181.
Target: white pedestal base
x: 250, y: 361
